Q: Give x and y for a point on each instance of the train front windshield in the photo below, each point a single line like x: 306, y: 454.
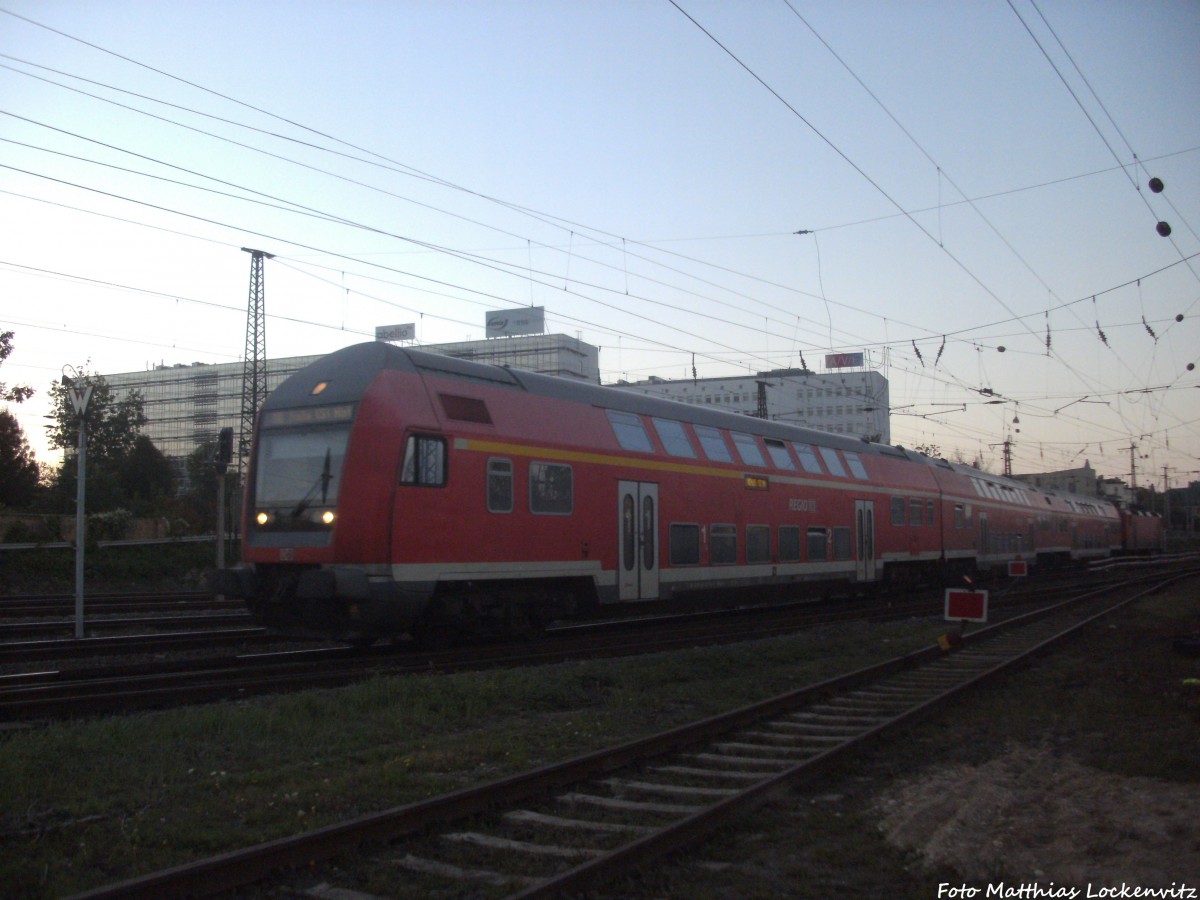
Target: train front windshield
x: 298, y: 474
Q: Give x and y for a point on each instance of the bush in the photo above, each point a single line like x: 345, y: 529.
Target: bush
x: 108, y: 526
x: 43, y: 530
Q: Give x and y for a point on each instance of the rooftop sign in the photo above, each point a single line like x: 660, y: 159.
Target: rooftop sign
x: 523, y: 320
x: 406, y: 332
x: 843, y: 360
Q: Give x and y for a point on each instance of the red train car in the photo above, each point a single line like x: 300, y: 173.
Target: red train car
x: 1142, y: 532
x: 394, y: 491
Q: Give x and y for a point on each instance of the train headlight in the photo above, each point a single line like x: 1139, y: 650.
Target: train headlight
x: 328, y: 516
x: 263, y: 517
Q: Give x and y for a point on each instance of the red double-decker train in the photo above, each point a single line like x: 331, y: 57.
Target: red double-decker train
x: 393, y: 491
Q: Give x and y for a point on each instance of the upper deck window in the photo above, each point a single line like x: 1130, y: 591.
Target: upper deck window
x: 747, y: 449
x: 808, y: 459
x: 779, y: 454
x: 855, y: 464
x: 713, y: 444
x: 674, y: 438
x: 630, y: 432
x: 831, y: 459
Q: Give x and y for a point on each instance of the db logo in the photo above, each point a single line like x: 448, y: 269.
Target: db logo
x: 285, y: 554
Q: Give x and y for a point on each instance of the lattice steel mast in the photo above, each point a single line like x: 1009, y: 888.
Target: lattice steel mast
x: 254, y: 367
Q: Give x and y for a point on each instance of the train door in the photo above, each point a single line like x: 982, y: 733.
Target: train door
x: 864, y: 526
x: 984, y: 537
x: 637, y: 540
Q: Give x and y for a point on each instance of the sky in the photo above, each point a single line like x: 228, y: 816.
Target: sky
x: 959, y: 190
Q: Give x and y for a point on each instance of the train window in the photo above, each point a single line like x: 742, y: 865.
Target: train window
x: 551, y: 489
x: 424, y: 461
x: 674, y: 438
x: 808, y: 459
x: 960, y: 519
x: 855, y: 464
x: 842, y: 544
x: 630, y: 432
x: 897, y: 510
x: 779, y: 454
x: 713, y: 444
x: 758, y: 543
x: 500, y: 485
x: 817, y: 543
x: 747, y: 449
x: 789, y: 543
x: 722, y: 545
x: 831, y: 460
x: 914, y: 512
x: 929, y: 508
x: 685, y: 545
x: 300, y: 466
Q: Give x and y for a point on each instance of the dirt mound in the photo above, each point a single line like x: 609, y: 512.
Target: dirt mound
x: 1030, y: 814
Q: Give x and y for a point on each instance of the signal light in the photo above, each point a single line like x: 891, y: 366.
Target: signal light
x: 224, y: 452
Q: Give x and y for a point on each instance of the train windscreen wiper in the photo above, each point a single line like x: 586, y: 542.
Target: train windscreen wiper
x: 322, y: 483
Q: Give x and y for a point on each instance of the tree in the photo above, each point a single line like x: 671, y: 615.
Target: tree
x: 112, y: 433
x: 18, y: 469
x: 112, y: 425
x: 19, y: 392
x: 145, y: 476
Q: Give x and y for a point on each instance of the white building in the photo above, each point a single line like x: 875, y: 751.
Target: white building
x: 1082, y: 481
x: 853, y: 403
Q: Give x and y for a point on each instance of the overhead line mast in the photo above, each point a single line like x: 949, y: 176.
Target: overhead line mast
x: 254, y: 366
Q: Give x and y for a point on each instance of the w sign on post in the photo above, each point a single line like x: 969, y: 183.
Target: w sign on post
x: 80, y: 395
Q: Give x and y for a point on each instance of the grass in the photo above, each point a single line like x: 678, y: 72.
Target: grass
x: 88, y: 803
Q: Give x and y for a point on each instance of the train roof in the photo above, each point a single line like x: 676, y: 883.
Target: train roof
x: 350, y: 370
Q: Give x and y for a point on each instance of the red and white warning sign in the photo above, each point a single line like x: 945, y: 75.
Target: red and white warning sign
x: 1017, y: 568
x: 966, y: 606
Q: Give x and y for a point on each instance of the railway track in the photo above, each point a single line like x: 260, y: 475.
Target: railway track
x: 123, y: 603
x: 574, y: 825
x: 45, y: 679
x: 147, y: 626
x: 220, y: 633
x: 49, y: 679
